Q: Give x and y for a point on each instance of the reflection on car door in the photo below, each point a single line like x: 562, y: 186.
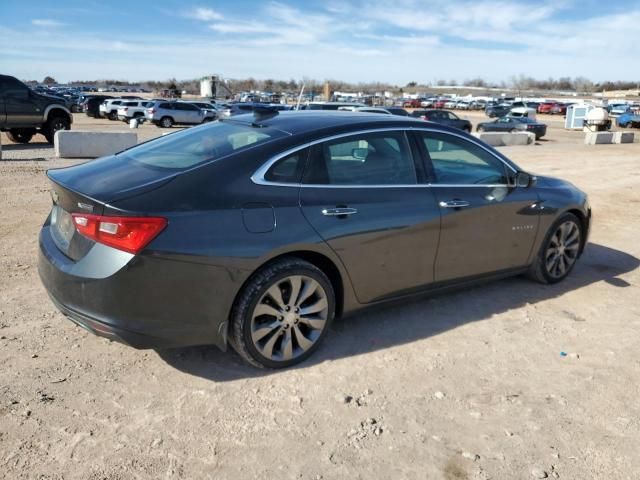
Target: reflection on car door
x: 19, y: 103
x: 487, y: 225
x: 362, y: 194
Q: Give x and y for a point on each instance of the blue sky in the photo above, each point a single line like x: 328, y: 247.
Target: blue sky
x: 360, y: 40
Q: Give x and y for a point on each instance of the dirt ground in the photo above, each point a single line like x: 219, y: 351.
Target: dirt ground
x: 468, y: 385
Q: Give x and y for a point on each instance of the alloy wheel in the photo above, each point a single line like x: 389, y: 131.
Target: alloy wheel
x: 563, y: 248
x: 289, y: 318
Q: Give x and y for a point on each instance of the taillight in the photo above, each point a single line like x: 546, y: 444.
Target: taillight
x: 130, y: 234
x: 151, y: 110
x: 126, y: 109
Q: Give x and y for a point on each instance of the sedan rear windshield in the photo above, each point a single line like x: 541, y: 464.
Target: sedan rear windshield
x: 193, y: 146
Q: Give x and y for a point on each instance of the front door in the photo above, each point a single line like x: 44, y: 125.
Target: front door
x: 488, y: 225
x: 365, y: 197
x: 21, y: 106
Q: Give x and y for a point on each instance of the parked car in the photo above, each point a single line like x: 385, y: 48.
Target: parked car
x: 165, y: 114
x: 628, y: 120
x: 514, y: 124
x: 443, y: 117
x: 91, y: 105
x: 497, y: 110
x: 559, y: 109
x: 23, y: 112
x: 210, y: 110
x: 109, y: 108
x: 440, y: 103
x: 545, y: 107
x: 132, y: 109
x: 619, y: 109
x: 234, y: 233
x: 522, y: 104
x: 324, y: 105
x: 412, y: 103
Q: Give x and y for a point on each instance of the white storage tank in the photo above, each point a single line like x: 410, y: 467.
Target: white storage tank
x: 208, y: 86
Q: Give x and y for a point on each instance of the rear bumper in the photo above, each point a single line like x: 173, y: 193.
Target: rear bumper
x: 143, y: 301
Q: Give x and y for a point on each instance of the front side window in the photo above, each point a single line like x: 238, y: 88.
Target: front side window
x: 457, y: 161
x: 382, y: 158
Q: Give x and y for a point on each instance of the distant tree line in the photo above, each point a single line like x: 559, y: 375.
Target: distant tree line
x: 520, y: 82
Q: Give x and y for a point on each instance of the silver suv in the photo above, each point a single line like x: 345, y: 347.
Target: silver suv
x: 166, y: 114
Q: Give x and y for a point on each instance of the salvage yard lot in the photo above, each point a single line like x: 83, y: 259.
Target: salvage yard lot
x: 470, y: 384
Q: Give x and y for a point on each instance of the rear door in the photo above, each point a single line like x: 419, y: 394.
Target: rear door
x: 487, y: 224
x: 365, y: 196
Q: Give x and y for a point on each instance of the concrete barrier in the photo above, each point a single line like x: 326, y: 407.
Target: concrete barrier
x: 90, y: 144
x: 623, y: 137
x: 498, y: 139
x: 598, y: 138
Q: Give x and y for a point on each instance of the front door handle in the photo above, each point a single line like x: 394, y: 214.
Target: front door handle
x: 454, y: 204
x: 339, y: 211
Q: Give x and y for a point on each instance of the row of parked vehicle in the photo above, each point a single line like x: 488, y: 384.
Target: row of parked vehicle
x: 506, y: 123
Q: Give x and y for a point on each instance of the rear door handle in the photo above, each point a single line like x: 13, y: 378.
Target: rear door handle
x: 454, y: 204
x: 339, y: 211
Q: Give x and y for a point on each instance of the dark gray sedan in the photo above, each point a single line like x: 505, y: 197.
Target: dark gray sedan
x: 443, y: 117
x: 514, y: 124
x: 256, y: 231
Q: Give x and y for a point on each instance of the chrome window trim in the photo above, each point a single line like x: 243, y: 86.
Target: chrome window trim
x: 258, y: 176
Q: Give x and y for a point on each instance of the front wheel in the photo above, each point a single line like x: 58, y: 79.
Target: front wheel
x: 282, y: 314
x: 113, y: 115
x: 559, y: 251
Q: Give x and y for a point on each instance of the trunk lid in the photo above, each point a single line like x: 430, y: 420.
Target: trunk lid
x: 88, y: 188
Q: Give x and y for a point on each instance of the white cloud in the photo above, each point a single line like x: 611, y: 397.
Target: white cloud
x: 46, y: 22
x: 369, y: 40
x: 204, y: 14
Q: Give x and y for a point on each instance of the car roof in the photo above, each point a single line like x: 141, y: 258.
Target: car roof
x: 308, y: 121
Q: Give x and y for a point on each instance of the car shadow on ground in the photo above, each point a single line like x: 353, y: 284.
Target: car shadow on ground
x: 399, y: 323
x: 14, y: 147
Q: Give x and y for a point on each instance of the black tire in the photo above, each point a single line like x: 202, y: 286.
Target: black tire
x: 255, y: 291
x: 53, y: 125
x: 480, y: 129
x: 113, y: 115
x: 539, y: 270
x: 21, y: 135
x: 166, y: 122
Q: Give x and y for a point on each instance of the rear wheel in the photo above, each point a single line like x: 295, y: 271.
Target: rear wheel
x: 53, y: 125
x: 21, y: 135
x: 282, y: 314
x: 166, y: 122
x: 559, y: 251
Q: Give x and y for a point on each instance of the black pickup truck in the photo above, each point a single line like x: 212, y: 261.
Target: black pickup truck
x: 23, y: 112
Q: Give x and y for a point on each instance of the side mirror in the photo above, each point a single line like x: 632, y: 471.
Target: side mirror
x: 360, y: 153
x: 525, y: 180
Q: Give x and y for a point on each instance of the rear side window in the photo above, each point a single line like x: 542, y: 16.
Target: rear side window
x: 288, y: 169
x: 185, y: 106
x: 190, y: 147
x: 168, y: 106
x: 382, y: 158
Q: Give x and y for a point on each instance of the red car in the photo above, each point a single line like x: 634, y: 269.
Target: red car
x: 440, y: 103
x: 559, y: 109
x: 414, y: 103
x: 545, y: 107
